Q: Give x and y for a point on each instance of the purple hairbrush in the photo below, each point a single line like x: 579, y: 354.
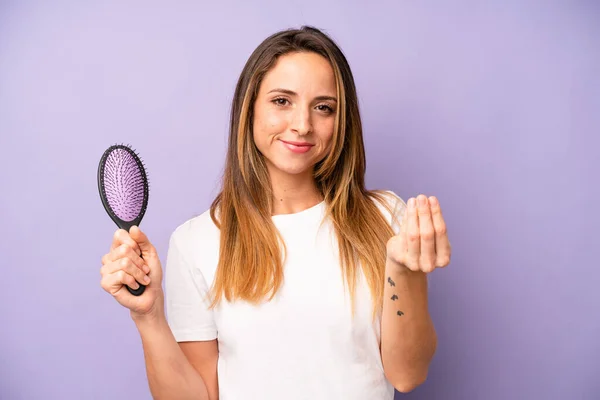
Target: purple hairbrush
x: 123, y: 187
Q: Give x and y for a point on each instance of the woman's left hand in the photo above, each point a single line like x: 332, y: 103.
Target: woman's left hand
x: 422, y: 243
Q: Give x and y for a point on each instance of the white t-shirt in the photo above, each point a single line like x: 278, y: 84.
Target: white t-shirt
x: 303, y: 344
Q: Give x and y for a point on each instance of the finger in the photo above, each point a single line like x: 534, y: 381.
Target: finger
x: 401, y: 245
x: 442, y: 244
x: 125, y: 251
x: 120, y: 237
x: 143, y: 242
x: 404, y: 220
x: 112, y: 283
x: 427, y: 235
x: 126, y: 265
x: 412, y: 236
x: 116, y: 241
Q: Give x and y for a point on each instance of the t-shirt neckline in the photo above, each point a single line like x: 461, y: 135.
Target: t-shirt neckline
x: 312, y: 210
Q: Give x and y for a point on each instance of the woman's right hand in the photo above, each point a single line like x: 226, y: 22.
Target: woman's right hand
x: 124, y: 266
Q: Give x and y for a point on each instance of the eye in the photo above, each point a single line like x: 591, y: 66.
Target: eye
x: 280, y: 101
x: 325, y: 108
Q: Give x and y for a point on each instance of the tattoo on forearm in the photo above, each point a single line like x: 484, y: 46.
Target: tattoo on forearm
x: 394, y: 296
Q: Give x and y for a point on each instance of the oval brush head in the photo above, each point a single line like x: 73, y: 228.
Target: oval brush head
x: 123, y: 187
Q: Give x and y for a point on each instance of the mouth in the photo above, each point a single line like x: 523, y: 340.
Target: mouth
x: 297, y: 147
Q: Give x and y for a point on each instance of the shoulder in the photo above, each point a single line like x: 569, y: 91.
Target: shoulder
x: 194, y: 237
x: 199, y: 226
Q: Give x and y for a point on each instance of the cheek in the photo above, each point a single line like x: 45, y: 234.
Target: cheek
x: 269, y: 123
x: 275, y: 119
x: 326, y: 136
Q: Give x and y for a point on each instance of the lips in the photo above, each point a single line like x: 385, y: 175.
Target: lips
x: 297, y: 147
x: 298, y: 143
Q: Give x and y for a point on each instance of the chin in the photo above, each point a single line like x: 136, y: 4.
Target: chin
x: 293, y: 168
x: 295, y: 171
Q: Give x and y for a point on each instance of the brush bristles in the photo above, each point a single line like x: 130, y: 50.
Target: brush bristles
x: 125, y: 184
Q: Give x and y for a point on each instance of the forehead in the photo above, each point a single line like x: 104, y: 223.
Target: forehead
x: 301, y: 71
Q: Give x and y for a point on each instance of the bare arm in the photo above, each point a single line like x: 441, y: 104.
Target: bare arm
x: 170, y: 374
x: 204, y: 356
x: 178, y: 372
x: 408, y: 339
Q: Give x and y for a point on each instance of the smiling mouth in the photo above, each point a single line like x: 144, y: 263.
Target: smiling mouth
x: 297, y: 147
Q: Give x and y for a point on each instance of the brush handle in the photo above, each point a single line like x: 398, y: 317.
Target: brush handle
x: 138, y: 291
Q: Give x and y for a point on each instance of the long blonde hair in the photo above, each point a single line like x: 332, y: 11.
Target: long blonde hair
x: 250, y: 265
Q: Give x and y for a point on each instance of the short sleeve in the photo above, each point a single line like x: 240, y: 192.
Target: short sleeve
x: 187, y: 300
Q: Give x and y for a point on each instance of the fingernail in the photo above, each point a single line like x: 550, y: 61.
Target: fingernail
x: 422, y: 200
x: 146, y: 279
x: 136, y: 286
x: 411, y: 202
x: 146, y: 268
x: 433, y: 201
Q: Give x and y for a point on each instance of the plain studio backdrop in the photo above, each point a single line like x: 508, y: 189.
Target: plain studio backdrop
x: 491, y: 106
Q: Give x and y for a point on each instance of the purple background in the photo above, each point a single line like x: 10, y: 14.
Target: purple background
x: 493, y: 107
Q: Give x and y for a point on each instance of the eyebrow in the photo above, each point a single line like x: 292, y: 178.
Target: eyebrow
x: 292, y: 93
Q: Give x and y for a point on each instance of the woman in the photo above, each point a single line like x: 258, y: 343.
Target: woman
x: 298, y: 283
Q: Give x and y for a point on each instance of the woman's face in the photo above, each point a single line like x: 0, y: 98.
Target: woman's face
x: 294, y: 113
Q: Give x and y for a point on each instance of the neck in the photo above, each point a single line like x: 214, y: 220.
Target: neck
x: 293, y: 193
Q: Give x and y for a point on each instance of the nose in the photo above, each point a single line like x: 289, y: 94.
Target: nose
x: 301, y: 121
